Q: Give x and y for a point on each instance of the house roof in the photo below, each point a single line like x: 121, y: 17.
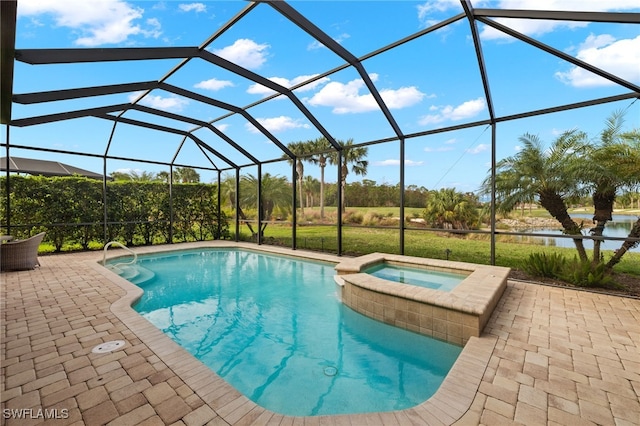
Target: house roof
x: 44, y: 168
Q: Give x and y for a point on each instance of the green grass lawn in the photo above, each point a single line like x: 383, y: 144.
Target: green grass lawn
x: 418, y: 211
x: 475, y: 249
x: 357, y: 240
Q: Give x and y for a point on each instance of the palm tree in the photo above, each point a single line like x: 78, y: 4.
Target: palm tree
x: 186, y: 175
x: 299, y: 149
x: 163, y: 176
x: 449, y: 209
x: 610, y: 166
x: 228, y: 196
x: 548, y: 175
x: 310, y: 186
x: 275, y: 193
x: 320, y: 146
x: 315, y: 152
x: 350, y: 155
x: 228, y: 190
x: 140, y: 176
x: 626, y: 199
x: 180, y: 175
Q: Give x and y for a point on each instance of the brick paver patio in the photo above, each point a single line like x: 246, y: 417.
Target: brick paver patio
x: 548, y: 356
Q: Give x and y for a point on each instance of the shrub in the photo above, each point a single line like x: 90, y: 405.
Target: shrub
x: 577, y: 272
x: 95, y: 245
x: 543, y: 265
x: 372, y: 218
x: 353, y: 217
x: 388, y: 221
x: 312, y: 217
x: 588, y: 274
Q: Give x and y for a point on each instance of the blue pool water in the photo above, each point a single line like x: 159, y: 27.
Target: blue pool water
x: 274, y: 328
x: 445, y: 281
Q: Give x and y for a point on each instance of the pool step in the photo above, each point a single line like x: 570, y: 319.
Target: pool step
x: 135, y: 273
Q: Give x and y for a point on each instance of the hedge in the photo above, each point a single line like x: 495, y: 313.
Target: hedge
x: 71, y: 211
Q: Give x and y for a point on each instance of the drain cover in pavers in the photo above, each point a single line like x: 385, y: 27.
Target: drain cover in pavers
x: 105, y: 347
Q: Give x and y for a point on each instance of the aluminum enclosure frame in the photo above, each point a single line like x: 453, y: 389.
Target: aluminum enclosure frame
x: 117, y: 113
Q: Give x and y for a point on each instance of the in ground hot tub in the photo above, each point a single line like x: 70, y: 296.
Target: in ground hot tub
x: 417, y: 275
x: 451, y: 314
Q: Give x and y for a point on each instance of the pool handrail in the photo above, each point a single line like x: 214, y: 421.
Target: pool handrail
x: 110, y: 243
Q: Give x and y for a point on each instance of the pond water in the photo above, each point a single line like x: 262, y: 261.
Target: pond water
x: 619, y: 227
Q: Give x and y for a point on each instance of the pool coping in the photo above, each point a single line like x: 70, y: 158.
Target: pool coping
x: 450, y: 402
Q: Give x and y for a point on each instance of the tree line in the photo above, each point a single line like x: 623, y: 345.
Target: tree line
x: 574, y: 168
x: 180, y: 175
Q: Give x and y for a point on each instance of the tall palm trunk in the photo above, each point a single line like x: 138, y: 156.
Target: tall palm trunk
x: 343, y: 184
x: 626, y: 246
x: 555, y: 205
x: 603, y: 209
x: 322, y: 161
x: 300, y: 173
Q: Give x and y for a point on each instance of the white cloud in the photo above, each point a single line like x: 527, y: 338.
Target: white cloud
x: 277, y: 124
x: 95, y: 22
x: 530, y: 27
x: 396, y: 162
x: 308, y: 87
x: 346, y: 98
x: 402, y: 97
x: 171, y: 103
x: 155, y: 28
x: 478, y: 149
x: 196, y: 7
x: 536, y: 27
x: 465, y: 110
x: 213, y: 84
x: 618, y: 57
x: 259, y: 89
x: 431, y: 7
x: 246, y: 53
x: 525, y: 26
x: 222, y: 127
x: 314, y: 45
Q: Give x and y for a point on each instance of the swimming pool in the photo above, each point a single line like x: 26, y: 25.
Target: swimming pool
x: 444, y: 281
x: 273, y: 328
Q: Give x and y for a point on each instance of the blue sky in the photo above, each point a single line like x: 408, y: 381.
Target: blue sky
x: 430, y: 83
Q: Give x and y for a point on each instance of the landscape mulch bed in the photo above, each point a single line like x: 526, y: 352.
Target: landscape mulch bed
x: 629, y: 284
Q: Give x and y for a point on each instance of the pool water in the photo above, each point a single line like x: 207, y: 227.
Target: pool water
x: 274, y: 328
x: 445, y: 281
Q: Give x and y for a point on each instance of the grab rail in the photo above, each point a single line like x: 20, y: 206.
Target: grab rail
x: 110, y: 243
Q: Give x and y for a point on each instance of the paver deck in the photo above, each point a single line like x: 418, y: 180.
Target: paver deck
x: 547, y: 356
